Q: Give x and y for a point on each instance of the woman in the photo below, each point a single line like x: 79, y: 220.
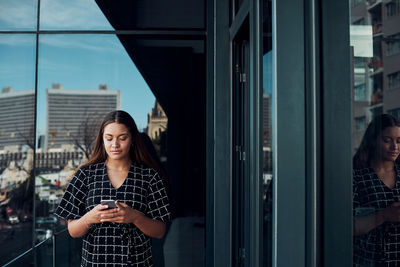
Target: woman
x: 119, y: 169
x: 376, y: 195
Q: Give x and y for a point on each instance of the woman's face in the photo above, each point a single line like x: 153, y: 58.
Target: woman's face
x: 117, y: 141
x: 389, y: 144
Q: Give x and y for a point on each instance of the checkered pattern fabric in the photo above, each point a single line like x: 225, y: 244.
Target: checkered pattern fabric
x: 380, y: 246
x: 113, y: 244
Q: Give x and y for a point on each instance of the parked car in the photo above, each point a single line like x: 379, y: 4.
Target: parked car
x: 13, y: 219
x: 43, y: 234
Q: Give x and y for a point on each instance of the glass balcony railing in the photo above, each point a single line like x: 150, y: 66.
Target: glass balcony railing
x: 57, y: 250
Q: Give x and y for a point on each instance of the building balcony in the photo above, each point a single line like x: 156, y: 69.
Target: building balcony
x: 377, y: 28
x: 376, y: 65
x: 371, y: 4
x: 377, y: 98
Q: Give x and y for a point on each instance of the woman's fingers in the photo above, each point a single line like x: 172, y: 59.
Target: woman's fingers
x: 121, y: 214
x: 101, y: 207
x: 116, y: 219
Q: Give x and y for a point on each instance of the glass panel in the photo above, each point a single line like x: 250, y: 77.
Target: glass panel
x: 175, y: 69
x: 44, y: 252
x: 376, y: 130
x: 18, y: 15
x: 67, y: 249
x: 238, y: 4
x: 17, y: 109
x: 83, y: 76
x: 27, y: 259
x: 74, y: 14
x: 120, y: 15
x: 267, y: 140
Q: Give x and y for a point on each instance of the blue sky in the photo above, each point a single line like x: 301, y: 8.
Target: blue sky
x: 267, y: 72
x: 77, y: 61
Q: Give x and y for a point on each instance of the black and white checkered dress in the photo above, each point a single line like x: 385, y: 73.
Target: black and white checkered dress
x: 114, y: 244
x: 380, y: 246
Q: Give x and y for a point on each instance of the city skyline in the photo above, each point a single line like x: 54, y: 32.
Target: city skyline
x: 73, y: 116
x: 77, y: 62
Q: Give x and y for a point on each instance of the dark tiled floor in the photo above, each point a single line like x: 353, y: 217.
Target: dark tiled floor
x: 184, y: 244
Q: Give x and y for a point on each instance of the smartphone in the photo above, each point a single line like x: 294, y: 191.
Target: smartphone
x: 110, y: 203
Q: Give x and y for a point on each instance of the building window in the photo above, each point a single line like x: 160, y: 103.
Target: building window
x: 360, y: 93
x: 394, y: 80
x: 359, y: 22
x: 356, y: 2
x: 393, y: 44
x: 360, y: 123
x: 393, y: 8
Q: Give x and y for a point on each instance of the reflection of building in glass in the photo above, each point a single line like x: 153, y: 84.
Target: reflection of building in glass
x: 156, y: 121
x: 16, y: 119
x: 375, y: 90
x: 15, y: 167
x: 46, y: 161
x: 267, y: 134
x: 74, y: 115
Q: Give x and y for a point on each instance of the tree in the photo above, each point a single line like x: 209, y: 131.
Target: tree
x: 86, y: 134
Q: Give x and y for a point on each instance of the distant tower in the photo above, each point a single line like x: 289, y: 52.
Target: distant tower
x: 17, y: 109
x: 73, y: 115
x: 156, y: 121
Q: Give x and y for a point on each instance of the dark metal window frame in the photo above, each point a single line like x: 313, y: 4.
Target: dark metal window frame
x: 154, y: 34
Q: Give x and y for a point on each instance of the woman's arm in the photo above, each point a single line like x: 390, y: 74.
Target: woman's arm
x: 79, y: 227
x: 363, y: 225
x: 125, y: 214
x: 150, y: 227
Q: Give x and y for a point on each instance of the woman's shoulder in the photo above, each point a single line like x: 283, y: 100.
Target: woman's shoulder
x: 86, y: 169
x: 362, y: 173
x: 397, y: 166
x: 143, y: 170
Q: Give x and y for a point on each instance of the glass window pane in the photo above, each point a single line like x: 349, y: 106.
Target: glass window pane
x: 121, y: 15
x: 267, y: 140
x: 238, y: 4
x: 67, y: 249
x: 44, y: 252
x: 17, y: 109
x: 27, y: 259
x: 376, y: 130
x: 82, y: 77
x: 18, y: 15
x: 75, y: 14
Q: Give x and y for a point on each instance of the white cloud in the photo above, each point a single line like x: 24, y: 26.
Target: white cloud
x: 16, y: 40
x: 18, y: 14
x: 52, y: 66
x: 92, y: 42
x: 72, y: 14
x: 54, y: 15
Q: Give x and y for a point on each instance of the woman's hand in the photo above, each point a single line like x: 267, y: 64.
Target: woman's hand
x: 125, y: 214
x: 96, y: 214
x: 363, y: 225
x: 122, y: 214
x: 79, y: 227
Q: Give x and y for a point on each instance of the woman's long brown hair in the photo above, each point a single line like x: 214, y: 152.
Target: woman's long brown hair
x: 138, y: 152
x: 368, y: 147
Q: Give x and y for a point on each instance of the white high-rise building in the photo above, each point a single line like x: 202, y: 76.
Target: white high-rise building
x: 17, y: 111
x: 74, y: 115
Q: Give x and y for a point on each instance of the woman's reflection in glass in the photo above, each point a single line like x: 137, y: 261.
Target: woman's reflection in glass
x: 376, y: 195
